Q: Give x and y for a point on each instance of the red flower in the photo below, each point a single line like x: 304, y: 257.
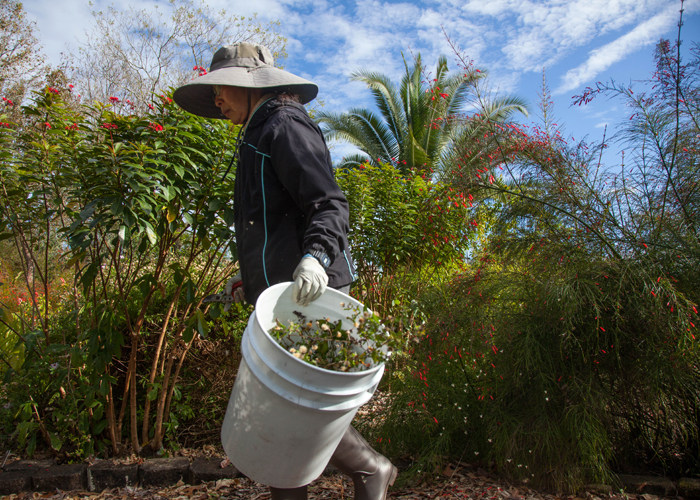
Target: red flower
x: 444, y: 96
x: 52, y: 90
x: 108, y: 126
x: 155, y: 126
x: 47, y: 125
x: 8, y: 102
x: 150, y: 106
x: 114, y: 99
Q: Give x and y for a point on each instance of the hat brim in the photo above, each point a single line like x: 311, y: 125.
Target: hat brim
x: 197, y: 96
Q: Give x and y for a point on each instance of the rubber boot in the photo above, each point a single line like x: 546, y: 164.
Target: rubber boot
x: 371, y: 473
x: 288, y: 493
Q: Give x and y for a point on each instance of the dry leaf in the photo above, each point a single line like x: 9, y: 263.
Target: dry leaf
x: 449, y: 471
x: 223, y: 483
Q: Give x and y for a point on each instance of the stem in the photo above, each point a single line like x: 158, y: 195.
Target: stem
x: 113, y: 434
x: 156, y: 358
x: 157, y: 438
x: 46, y: 274
x: 180, y: 362
x: 136, y: 447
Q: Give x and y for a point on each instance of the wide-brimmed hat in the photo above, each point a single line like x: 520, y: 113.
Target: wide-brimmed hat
x: 241, y: 65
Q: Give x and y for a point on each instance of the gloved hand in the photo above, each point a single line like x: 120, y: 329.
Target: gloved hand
x: 238, y: 295
x: 310, y: 281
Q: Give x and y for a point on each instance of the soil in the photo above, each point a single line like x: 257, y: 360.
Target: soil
x: 457, y: 481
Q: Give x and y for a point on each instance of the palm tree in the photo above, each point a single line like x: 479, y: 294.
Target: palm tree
x: 417, y: 123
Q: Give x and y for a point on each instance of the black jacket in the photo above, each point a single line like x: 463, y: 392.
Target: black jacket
x: 287, y: 201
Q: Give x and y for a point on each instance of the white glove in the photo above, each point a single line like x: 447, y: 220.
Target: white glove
x: 310, y: 281
x: 238, y: 295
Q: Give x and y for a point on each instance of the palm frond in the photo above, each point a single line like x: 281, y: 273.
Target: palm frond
x: 386, y: 99
x: 353, y: 161
x: 503, y: 108
x: 362, y: 128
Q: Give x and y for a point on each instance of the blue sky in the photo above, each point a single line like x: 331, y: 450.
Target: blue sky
x: 578, y: 42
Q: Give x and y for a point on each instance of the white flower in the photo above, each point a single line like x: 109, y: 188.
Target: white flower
x: 303, y: 349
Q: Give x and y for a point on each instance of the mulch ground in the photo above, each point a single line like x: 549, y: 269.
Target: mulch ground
x: 456, y: 482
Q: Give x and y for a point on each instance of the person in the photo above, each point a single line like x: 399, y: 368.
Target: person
x: 291, y: 218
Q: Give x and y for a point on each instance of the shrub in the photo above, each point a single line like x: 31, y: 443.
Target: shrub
x: 138, y: 208
x: 567, y: 350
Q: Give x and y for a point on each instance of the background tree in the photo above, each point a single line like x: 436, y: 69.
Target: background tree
x: 20, y: 57
x: 133, y: 54
x: 418, y: 122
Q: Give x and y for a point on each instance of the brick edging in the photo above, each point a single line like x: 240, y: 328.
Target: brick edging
x: 45, y: 475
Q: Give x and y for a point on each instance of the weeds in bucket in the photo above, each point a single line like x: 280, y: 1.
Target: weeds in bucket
x: 332, y: 346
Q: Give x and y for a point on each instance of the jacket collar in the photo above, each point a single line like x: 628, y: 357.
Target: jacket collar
x: 268, y: 107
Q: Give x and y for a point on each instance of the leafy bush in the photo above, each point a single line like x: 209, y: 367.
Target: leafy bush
x: 568, y: 350
x: 139, y: 209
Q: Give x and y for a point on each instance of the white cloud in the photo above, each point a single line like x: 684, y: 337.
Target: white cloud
x: 604, y: 57
x: 513, y: 39
x: 59, y: 25
x: 544, y: 33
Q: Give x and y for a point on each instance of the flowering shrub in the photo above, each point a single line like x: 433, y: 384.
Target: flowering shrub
x: 402, y: 224
x: 135, y: 213
x: 567, y: 349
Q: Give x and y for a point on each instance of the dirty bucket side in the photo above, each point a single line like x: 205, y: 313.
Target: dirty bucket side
x: 275, y: 441
x: 285, y: 417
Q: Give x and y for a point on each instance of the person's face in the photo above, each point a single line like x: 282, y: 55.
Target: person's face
x: 233, y: 102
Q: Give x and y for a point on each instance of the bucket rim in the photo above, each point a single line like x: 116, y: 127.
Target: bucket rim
x: 341, y: 295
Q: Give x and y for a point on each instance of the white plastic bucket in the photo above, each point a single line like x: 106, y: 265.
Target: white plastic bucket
x: 286, y: 417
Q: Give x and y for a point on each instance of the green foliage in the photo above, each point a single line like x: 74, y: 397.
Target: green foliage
x: 406, y: 233
x: 547, y: 374
x: 135, y: 212
x: 568, y: 349
x: 400, y: 222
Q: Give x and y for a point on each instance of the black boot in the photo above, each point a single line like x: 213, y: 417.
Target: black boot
x: 288, y: 493
x: 371, y: 473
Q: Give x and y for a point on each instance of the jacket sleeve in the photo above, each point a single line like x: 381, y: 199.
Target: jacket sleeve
x: 303, y: 165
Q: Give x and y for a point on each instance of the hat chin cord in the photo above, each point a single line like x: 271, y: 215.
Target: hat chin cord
x: 247, y: 117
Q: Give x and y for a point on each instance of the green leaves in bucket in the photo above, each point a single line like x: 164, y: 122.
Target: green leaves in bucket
x: 326, y: 344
